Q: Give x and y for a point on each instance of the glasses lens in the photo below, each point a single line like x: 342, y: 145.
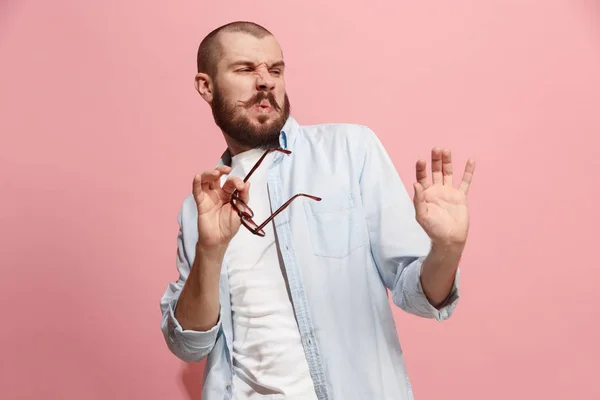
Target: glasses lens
x: 251, y: 225
x: 242, y: 207
x: 249, y: 222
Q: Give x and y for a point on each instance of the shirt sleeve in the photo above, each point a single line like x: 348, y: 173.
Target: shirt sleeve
x: 399, y: 245
x: 188, y: 345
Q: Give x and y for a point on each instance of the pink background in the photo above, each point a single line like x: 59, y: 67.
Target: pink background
x: 102, y: 133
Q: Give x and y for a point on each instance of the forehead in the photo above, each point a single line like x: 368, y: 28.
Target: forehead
x: 241, y: 46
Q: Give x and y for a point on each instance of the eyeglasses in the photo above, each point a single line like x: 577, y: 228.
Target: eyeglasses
x: 246, y: 214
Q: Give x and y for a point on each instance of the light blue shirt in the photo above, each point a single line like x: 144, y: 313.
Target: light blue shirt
x: 340, y: 255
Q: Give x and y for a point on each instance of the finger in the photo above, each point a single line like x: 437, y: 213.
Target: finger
x: 418, y: 199
x: 447, y: 167
x: 210, y: 178
x: 224, y: 169
x: 436, y: 166
x: 232, y: 184
x: 467, y: 176
x: 197, y: 188
x: 421, y: 169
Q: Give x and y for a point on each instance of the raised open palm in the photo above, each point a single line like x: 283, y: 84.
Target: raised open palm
x: 218, y: 222
x: 441, y: 209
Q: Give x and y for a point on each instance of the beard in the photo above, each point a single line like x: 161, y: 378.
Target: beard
x: 241, y: 129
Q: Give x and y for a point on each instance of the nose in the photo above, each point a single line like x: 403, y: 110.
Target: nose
x: 264, y: 80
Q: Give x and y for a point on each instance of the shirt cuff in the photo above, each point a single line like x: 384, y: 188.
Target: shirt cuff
x: 415, y: 300
x: 190, y: 341
x: 447, y: 307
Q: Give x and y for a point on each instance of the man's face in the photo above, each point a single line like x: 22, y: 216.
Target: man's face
x: 249, y: 101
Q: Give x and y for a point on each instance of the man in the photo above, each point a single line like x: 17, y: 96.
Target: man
x: 295, y: 305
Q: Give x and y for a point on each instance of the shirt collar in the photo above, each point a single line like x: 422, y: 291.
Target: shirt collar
x: 288, y: 133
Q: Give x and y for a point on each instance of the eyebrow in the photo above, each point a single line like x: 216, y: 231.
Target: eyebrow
x: 277, y: 64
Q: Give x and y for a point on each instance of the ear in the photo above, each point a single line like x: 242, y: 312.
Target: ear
x: 204, y: 86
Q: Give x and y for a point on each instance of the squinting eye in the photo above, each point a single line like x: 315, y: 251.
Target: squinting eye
x: 276, y: 72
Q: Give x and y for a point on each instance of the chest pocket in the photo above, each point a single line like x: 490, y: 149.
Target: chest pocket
x: 335, y: 224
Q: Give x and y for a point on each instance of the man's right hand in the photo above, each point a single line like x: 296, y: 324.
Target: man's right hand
x: 218, y: 222
x: 198, y: 305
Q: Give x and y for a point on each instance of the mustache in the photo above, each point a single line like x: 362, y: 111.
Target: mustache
x: 260, y: 96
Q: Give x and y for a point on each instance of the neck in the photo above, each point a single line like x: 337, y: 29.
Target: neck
x: 234, y: 147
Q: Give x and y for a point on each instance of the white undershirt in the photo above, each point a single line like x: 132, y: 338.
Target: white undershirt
x: 267, y: 351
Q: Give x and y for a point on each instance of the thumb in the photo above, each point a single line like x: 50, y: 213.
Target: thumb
x: 197, y: 187
x: 418, y: 199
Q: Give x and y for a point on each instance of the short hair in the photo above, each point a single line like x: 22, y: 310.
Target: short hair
x: 210, y: 50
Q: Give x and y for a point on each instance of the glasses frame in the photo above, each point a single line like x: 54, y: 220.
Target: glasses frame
x: 247, y: 214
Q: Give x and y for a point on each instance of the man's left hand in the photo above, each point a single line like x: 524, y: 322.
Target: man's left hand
x: 441, y: 209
